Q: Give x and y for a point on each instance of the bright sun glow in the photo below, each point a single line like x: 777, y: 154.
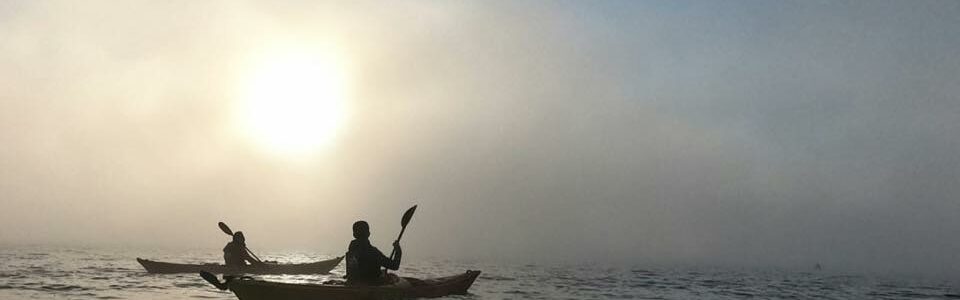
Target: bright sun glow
x: 293, y: 103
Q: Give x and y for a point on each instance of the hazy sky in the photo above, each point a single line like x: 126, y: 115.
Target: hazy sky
x: 755, y: 133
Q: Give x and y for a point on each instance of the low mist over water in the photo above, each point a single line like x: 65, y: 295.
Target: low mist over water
x: 770, y: 134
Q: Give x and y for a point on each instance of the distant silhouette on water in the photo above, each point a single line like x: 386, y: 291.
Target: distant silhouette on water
x: 364, y: 260
x: 818, y: 267
x: 235, y: 252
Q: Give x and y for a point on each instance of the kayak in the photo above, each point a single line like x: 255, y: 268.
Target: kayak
x: 320, y: 267
x: 252, y: 289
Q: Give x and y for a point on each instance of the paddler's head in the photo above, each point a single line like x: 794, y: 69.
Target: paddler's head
x: 361, y: 230
x: 238, y: 237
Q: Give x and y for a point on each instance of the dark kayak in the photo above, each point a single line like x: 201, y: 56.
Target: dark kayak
x: 320, y: 267
x: 252, y: 289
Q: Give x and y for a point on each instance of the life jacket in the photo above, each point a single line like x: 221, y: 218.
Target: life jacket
x: 233, y: 254
x: 363, y: 263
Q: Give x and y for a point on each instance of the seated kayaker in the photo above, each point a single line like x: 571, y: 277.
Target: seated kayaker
x: 364, y: 260
x: 235, y: 252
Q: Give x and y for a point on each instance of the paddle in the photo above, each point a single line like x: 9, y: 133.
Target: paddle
x: 403, y: 227
x: 226, y: 229
x: 212, y: 279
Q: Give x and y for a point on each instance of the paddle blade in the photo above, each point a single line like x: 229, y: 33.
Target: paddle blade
x: 225, y: 228
x: 407, y: 216
x: 212, y: 279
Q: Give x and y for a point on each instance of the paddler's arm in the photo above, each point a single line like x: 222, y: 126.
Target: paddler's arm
x: 253, y: 261
x: 395, y: 263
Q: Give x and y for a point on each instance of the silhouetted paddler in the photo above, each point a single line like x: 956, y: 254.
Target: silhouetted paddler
x: 364, y: 260
x: 235, y: 252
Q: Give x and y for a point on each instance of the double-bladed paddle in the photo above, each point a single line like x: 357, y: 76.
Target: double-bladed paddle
x: 403, y: 227
x: 226, y: 229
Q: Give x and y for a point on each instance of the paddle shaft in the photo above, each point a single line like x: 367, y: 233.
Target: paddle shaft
x: 251, y: 254
x: 394, y: 251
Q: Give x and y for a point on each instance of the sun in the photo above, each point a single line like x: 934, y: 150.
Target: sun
x: 292, y: 103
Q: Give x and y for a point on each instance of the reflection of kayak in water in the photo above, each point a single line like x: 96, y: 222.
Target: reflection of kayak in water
x: 252, y: 289
x: 320, y: 267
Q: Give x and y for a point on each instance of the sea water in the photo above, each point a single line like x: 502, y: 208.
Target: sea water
x: 87, y: 273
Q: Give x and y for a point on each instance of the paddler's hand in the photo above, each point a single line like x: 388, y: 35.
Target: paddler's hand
x: 396, y: 244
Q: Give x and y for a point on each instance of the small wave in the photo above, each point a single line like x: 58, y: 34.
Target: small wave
x: 189, y: 285
x: 607, y: 279
x: 521, y: 292
x: 879, y: 294
x: 711, y: 283
x: 85, y: 294
x: 497, y: 278
x: 62, y: 287
x: 616, y: 296
x: 910, y: 294
x: 590, y: 289
x: 742, y: 293
x: 643, y: 284
x: 149, y: 287
x: 99, y: 269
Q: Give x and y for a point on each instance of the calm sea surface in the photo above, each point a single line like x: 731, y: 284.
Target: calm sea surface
x: 59, y: 273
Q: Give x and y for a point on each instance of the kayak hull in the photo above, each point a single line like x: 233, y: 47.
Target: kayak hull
x: 250, y: 289
x: 320, y: 267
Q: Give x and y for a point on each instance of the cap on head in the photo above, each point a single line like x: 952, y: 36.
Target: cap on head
x: 361, y: 230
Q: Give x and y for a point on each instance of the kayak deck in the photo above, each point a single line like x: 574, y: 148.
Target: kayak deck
x: 320, y: 267
x: 250, y: 289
